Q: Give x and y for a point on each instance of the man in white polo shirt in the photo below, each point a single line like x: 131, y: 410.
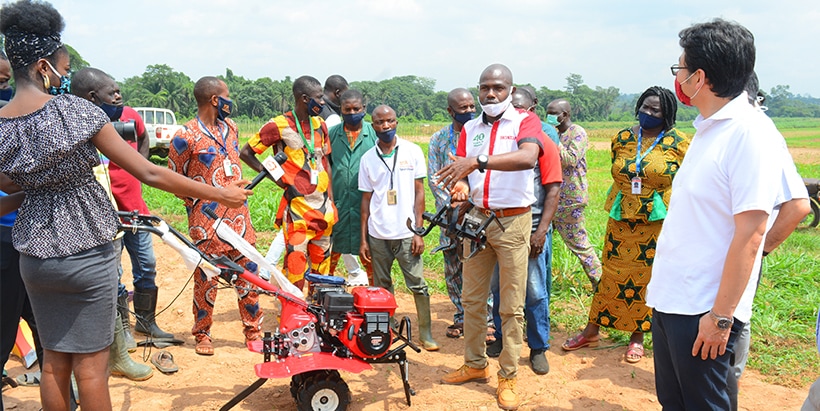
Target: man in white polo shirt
x: 496, y: 153
x: 709, y: 250
x: 391, y: 179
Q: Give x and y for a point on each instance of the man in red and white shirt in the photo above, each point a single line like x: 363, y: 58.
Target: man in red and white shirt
x: 496, y: 153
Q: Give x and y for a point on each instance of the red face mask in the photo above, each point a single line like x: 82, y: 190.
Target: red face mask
x: 681, y: 96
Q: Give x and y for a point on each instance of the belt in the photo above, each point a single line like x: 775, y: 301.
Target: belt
x: 505, y: 212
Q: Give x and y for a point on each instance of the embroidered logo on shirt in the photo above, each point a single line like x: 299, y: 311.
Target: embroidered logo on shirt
x: 478, y: 140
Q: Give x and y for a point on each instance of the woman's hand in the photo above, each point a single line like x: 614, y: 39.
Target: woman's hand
x: 234, y: 195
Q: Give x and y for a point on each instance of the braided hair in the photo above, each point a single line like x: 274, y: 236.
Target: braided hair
x: 669, y: 106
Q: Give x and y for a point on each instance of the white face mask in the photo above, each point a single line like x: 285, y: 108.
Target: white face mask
x: 495, y: 110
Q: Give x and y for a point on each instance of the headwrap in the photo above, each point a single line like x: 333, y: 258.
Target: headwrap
x: 25, y: 48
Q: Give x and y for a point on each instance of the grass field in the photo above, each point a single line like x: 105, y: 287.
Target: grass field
x: 787, y: 301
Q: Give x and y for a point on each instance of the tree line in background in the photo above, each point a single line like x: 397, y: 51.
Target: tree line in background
x: 414, y: 98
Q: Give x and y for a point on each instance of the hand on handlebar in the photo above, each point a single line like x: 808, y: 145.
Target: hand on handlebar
x: 234, y: 195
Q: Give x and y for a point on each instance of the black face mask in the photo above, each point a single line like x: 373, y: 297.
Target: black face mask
x: 113, y: 112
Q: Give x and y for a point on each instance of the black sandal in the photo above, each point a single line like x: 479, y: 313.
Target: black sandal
x: 455, y: 331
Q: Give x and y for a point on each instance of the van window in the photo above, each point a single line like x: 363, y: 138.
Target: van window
x: 168, y: 119
x: 149, y: 117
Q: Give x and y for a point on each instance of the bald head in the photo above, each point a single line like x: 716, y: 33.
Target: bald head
x: 382, y: 110
x: 457, y: 94
x: 87, y: 80
x: 497, y: 72
x: 207, y: 87
x: 522, y: 99
x: 383, y: 118
x: 560, y: 109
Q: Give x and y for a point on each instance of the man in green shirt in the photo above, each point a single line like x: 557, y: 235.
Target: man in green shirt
x: 349, y: 141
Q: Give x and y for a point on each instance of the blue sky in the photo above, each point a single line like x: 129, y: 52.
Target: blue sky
x: 629, y: 45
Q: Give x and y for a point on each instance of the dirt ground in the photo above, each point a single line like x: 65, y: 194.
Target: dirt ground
x: 595, y: 379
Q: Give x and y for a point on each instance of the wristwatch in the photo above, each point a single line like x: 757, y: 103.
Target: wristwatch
x: 482, y: 162
x: 723, y: 323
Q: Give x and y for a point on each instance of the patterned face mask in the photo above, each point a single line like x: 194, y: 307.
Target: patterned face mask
x: 65, y: 83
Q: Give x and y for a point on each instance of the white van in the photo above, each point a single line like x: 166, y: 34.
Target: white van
x: 161, y: 125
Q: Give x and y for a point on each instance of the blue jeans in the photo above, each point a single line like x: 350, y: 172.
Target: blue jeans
x: 143, y: 264
x: 537, y: 302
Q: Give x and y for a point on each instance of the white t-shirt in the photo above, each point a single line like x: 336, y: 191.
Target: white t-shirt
x: 729, y: 169
x: 389, y: 222
x: 493, y: 188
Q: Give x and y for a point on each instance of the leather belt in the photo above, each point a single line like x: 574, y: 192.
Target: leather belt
x: 505, y: 212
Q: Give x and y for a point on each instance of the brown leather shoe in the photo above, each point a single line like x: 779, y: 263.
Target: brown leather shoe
x: 507, y: 397
x: 466, y: 374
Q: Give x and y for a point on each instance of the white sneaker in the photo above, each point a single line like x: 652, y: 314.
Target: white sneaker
x: 357, y: 278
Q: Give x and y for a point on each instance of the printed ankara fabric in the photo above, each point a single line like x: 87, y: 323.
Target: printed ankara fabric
x: 310, y: 214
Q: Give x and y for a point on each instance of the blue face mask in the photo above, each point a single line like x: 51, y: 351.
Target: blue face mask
x: 386, y: 136
x: 649, y: 122
x: 65, y: 84
x: 353, y: 119
x: 113, y: 112
x: 6, y: 94
x: 314, y: 108
x: 552, y: 119
x: 224, y: 107
x: 463, y: 117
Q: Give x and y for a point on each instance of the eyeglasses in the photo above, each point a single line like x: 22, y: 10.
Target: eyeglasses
x: 676, y: 68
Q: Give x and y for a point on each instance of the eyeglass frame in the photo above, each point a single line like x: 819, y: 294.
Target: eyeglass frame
x: 676, y: 68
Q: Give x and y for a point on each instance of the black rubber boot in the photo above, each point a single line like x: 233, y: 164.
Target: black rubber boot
x: 145, y: 308
x: 122, y: 308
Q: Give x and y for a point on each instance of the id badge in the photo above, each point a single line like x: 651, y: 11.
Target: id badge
x: 226, y: 165
x: 636, y: 185
x: 391, y: 197
x: 314, y: 177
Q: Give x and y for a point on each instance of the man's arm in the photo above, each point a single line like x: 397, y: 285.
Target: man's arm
x: 142, y: 144
x: 418, y: 210
x: 247, y: 155
x: 750, y: 226
x: 435, y: 162
x: 364, y: 247
x: 574, y: 148
x: 522, y: 159
x: 791, y: 214
x: 539, y: 237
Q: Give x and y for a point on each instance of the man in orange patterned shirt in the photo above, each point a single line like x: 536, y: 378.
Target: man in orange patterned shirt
x: 302, y: 135
x: 206, y: 149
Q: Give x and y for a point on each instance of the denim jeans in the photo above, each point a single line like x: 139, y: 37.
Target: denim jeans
x: 143, y: 264
x: 537, y: 301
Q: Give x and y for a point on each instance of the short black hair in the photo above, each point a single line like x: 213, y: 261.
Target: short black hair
x: 335, y: 82
x: 724, y: 50
x: 87, y: 80
x: 669, y: 106
x: 304, y: 84
x: 351, y: 95
x: 205, y: 88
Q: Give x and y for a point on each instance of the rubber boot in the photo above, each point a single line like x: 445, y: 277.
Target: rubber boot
x: 423, y: 313
x: 145, y: 307
x: 120, y: 363
x: 122, y: 309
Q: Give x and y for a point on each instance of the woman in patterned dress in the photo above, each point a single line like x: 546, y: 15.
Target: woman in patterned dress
x: 66, y: 223
x: 636, y: 203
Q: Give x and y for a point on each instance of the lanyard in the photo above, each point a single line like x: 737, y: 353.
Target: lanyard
x: 224, y: 133
x: 304, y: 139
x: 395, y: 156
x: 638, y: 156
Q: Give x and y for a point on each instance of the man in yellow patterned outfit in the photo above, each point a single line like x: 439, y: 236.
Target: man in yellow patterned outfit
x: 302, y: 135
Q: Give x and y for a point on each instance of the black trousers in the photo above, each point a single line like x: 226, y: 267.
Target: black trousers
x: 15, y: 301
x: 684, y: 382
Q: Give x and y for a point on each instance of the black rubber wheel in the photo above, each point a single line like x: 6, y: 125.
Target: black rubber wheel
x: 815, y: 213
x: 296, y: 383
x: 324, y: 391
x: 813, y: 218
